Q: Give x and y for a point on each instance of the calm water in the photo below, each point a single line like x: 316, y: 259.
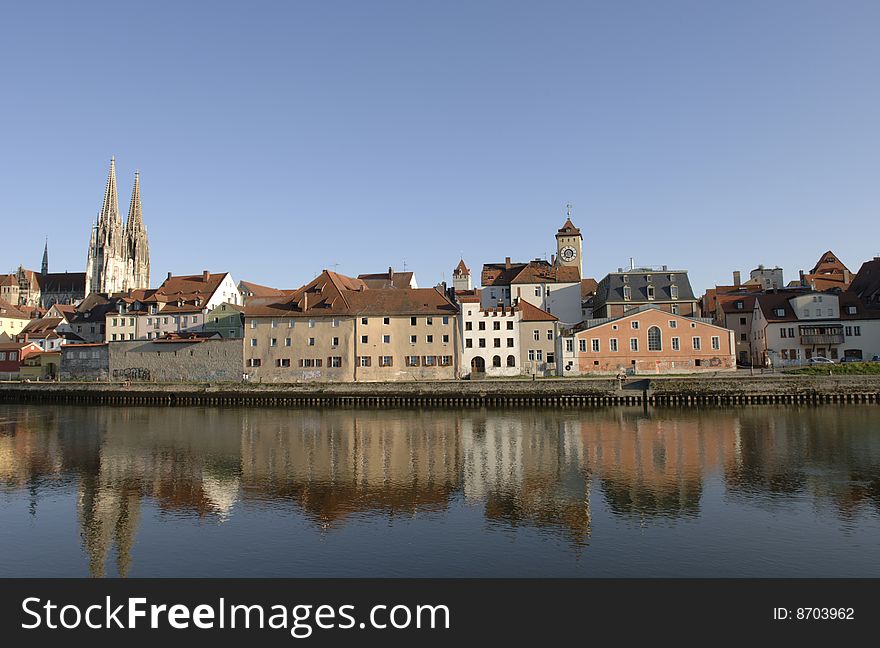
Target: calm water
x: 616, y: 492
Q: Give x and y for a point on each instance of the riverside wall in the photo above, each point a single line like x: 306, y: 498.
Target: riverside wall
x: 661, y: 391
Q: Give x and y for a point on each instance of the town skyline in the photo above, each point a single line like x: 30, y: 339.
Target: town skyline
x: 389, y: 133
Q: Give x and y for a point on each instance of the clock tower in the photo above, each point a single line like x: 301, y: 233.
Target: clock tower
x: 569, y: 245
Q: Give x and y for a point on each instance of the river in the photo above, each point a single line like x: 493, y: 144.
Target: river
x: 617, y: 492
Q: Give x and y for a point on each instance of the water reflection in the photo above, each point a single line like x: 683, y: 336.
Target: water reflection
x: 540, y: 469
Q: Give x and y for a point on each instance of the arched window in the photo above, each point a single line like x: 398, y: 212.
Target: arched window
x: 496, y: 361
x: 511, y: 361
x: 654, y: 343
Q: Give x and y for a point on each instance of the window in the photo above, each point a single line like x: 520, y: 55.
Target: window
x: 150, y: 321
x: 364, y: 361
x: 510, y: 343
x: 365, y: 339
x: 716, y: 342
x: 334, y: 361
x: 594, y: 344
x: 386, y: 361
x: 537, y: 291
x: 806, y: 312
x: 496, y: 361
x: 254, y: 362
x: 446, y: 339
x: 612, y: 344
x: 511, y: 361
x: 312, y: 323
x: 334, y: 324
x: 696, y: 344
x: 253, y: 342
x: 536, y: 334
x: 627, y: 293
x: 429, y: 321
x: 851, y: 310
x: 334, y: 342
x: 113, y: 338
x: 634, y: 344
x: 496, y: 326
x: 273, y: 342
x: 413, y: 339
x: 445, y: 361
x: 582, y: 346
x: 282, y: 362
x: 673, y: 291
x: 311, y: 341
x: 782, y: 332
x: 481, y: 326
x: 569, y: 346
x: 289, y: 324
x: 386, y: 339
x: 848, y: 331
x: 274, y: 323
x: 650, y: 292
x: 430, y: 361
x: 674, y: 309
x: 412, y: 361
x: 365, y: 321
x: 482, y: 343
x: 743, y: 337
x: 654, y: 340
x: 634, y: 324
x: 286, y: 341
x: 673, y: 324
x: 445, y: 322
x: 791, y: 332
x: 551, y: 357
x: 429, y: 339
x: 550, y: 334
x: 539, y: 355
x: 857, y: 330
x: 531, y: 355
x: 510, y: 326
x: 496, y: 343
x: 412, y: 321
x: 468, y: 343
x: 468, y: 326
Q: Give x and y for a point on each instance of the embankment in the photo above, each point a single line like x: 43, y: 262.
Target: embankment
x: 660, y: 391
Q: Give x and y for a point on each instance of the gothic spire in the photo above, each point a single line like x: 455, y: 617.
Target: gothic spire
x: 137, y: 247
x: 110, y: 208
x: 45, y: 268
x: 135, y: 220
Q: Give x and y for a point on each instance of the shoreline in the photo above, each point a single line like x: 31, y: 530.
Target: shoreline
x: 581, y: 392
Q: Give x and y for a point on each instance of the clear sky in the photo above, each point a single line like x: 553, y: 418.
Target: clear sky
x: 275, y: 139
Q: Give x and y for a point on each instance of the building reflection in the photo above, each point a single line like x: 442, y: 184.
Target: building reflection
x: 522, y: 468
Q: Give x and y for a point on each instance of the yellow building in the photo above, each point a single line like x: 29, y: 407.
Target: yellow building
x: 41, y: 366
x: 12, y: 320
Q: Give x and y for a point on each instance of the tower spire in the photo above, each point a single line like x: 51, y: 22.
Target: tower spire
x: 45, y: 268
x: 137, y: 248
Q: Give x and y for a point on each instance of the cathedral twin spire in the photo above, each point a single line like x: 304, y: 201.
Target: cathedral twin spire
x: 119, y: 255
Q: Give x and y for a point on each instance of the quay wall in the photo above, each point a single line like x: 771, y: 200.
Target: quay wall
x: 661, y: 391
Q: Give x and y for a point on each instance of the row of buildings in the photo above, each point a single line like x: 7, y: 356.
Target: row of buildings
x: 536, y: 318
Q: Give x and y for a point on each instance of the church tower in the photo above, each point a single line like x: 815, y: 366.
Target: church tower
x: 569, y: 245
x: 45, y: 269
x: 137, y: 248
x: 119, y: 255
x: 461, y: 277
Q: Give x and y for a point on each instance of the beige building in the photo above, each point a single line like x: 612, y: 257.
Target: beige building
x: 337, y: 329
x: 12, y: 321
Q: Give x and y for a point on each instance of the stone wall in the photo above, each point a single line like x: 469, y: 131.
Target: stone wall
x: 85, y: 362
x: 184, y: 361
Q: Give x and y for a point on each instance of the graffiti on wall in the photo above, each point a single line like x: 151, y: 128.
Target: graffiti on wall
x: 131, y: 373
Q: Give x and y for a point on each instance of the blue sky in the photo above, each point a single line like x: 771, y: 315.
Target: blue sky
x: 275, y: 139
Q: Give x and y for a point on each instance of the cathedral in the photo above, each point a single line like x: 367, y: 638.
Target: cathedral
x: 119, y: 255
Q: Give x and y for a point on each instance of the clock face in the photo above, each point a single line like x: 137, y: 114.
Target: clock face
x: 568, y: 253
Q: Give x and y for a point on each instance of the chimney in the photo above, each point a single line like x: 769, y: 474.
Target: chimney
x: 507, y: 263
x: 736, y: 278
x: 390, y: 273
x: 205, y: 276
x: 168, y: 277
x: 632, y: 263
x: 846, y: 276
x: 553, y: 259
x: 801, y: 274
x: 305, y: 300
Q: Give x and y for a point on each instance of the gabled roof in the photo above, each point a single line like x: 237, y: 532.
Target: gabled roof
x: 189, y: 286
x: 610, y: 289
x: 388, y: 279
x: 568, y: 229
x: 468, y: 296
x: 588, y: 287
x: 12, y: 312
x: 331, y: 294
x: 729, y: 302
x: 828, y: 263
x: 540, y: 271
x: 866, y: 284
x: 531, y: 313
x: 256, y: 290
x: 62, y: 282
x: 42, y: 328
x: 500, y: 274
x: 461, y: 269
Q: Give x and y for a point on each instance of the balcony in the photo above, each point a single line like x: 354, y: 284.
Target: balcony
x: 821, y: 340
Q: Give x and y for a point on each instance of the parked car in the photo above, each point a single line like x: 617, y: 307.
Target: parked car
x: 847, y: 359
x: 819, y: 360
x: 875, y: 358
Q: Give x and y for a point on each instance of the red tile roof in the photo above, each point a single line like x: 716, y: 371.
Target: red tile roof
x: 531, y: 313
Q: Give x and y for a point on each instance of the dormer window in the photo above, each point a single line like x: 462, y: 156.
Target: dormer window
x: 627, y: 293
x: 648, y: 278
x: 780, y: 312
x: 739, y: 305
x: 650, y: 292
x: 851, y: 310
x: 625, y: 279
x: 673, y: 291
